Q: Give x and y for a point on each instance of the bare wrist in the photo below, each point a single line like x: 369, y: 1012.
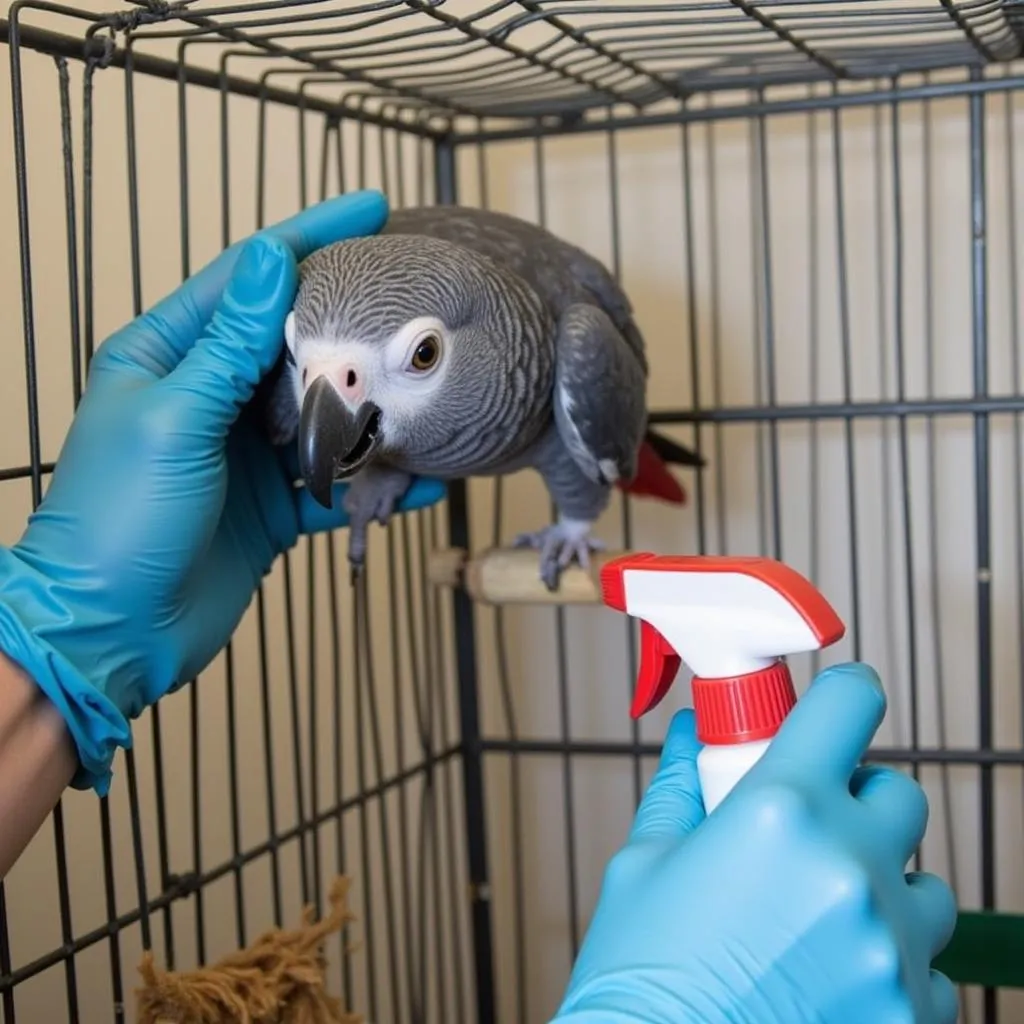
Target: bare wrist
x: 37, y: 760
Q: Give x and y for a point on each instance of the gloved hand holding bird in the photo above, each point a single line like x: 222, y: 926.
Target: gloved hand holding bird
x: 461, y: 342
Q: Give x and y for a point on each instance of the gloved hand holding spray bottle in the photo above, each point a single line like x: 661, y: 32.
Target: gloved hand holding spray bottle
x: 787, y: 903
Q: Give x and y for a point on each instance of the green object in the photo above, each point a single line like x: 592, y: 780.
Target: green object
x: 986, y: 949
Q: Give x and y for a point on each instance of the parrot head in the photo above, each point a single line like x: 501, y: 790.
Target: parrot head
x: 394, y: 345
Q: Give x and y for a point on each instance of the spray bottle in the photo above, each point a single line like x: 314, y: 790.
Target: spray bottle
x: 733, y: 621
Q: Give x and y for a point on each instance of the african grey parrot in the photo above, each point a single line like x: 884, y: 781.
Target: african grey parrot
x: 460, y: 342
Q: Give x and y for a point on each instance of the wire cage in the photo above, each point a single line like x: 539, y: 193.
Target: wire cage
x: 814, y: 206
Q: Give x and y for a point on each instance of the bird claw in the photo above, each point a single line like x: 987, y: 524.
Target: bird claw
x: 559, y: 546
x: 372, y: 497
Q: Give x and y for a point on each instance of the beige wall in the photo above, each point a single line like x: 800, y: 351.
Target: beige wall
x: 653, y: 252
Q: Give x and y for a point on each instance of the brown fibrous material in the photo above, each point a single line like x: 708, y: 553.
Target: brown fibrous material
x: 278, y: 979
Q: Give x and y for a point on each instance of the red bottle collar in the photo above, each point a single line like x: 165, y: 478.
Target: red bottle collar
x: 745, y: 708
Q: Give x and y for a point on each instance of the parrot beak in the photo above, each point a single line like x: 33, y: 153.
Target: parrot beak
x: 334, y: 443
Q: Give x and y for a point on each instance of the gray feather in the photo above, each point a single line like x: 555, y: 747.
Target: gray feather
x: 575, y: 494
x: 599, y: 402
x: 560, y: 273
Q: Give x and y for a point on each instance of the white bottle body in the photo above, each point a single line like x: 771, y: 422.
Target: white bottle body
x: 721, y: 767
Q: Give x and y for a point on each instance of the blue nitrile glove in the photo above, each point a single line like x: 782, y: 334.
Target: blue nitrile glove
x: 787, y: 905
x: 168, y: 505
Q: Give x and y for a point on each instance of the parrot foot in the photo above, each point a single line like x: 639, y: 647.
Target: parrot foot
x: 372, y: 496
x: 559, y: 545
x: 374, y: 493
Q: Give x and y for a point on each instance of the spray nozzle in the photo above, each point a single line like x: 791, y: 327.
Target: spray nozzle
x: 731, y: 620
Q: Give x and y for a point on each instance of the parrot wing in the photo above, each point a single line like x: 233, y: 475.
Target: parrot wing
x: 599, y: 400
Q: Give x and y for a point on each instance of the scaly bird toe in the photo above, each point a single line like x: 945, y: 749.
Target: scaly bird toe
x: 559, y: 546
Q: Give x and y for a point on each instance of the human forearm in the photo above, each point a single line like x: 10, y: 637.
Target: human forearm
x: 37, y: 760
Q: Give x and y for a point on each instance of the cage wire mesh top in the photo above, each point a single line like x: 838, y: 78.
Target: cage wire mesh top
x: 428, y: 59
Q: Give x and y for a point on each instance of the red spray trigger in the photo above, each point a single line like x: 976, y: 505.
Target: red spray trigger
x: 659, y: 664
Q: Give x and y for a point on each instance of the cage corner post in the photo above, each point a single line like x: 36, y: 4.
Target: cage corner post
x: 446, y: 192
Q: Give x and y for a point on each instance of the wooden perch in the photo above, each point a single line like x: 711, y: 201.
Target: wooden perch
x: 512, y: 576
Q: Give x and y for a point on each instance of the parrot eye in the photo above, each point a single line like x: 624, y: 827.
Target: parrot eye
x: 426, y: 353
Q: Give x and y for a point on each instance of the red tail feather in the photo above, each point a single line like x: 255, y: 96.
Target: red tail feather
x: 653, y: 478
